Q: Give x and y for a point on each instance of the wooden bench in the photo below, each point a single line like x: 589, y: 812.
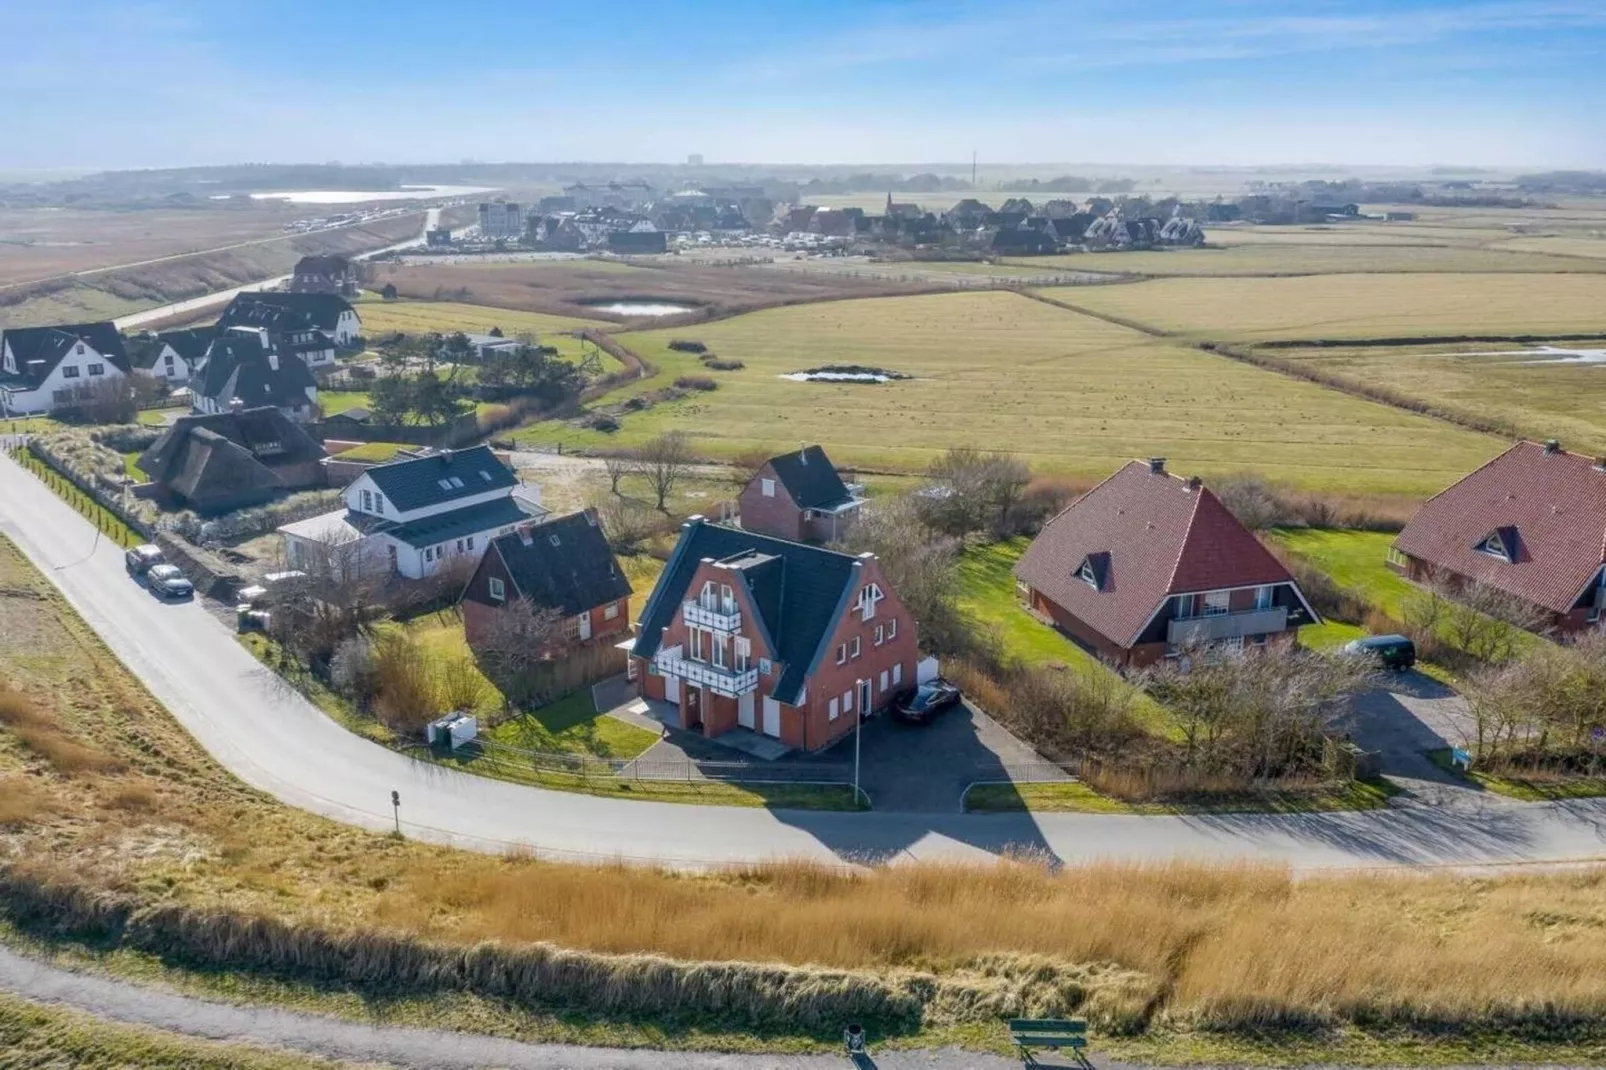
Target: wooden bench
x: 1055, y: 1033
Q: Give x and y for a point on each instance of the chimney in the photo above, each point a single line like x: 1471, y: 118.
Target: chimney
x: 236, y: 405
x: 1552, y: 445
x: 526, y: 533
x: 803, y: 450
x: 1600, y: 464
x: 1194, y: 483
x: 1156, y: 466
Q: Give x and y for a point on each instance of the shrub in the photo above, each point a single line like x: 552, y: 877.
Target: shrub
x: 604, y: 422
x: 696, y: 382
x: 686, y: 345
x: 723, y: 365
x: 403, y: 683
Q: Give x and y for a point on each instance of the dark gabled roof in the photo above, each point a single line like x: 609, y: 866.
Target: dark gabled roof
x: 1149, y: 535
x: 456, y: 523
x: 226, y: 458
x: 39, y: 349
x: 1547, y: 505
x: 800, y: 592
x: 416, y: 483
x: 238, y: 367
x: 810, y: 478
x: 331, y: 265
x: 564, y: 563
x: 323, y: 310
x: 190, y: 344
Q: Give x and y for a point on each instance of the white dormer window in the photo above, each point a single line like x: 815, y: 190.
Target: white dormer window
x: 1495, y: 546
x: 727, y: 599
x: 868, y: 598
x: 766, y: 487
x: 706, y: 598
x: 498, y: 590
x: 1087, y: 575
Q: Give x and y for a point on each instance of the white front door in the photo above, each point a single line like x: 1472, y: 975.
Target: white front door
x: 585, y: 625
x: 772, y: 718
x: 672, y: 689
x: 744, y: 710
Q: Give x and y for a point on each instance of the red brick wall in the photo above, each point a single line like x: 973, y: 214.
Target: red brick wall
x: 831, y: 680
x: 778, y: 516
x: 1101, y: 645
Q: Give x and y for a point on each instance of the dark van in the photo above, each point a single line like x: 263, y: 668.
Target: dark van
x: 1394, y: 652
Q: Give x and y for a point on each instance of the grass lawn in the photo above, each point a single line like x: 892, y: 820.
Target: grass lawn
x: 1308, y: 258
x: 1067, y: 392
x: 333, y: 401
x: 1356, y: 560
x: 1502, y: 383
x: 1078, y: 797
x: 161, y: 417
x: 376, y: 452
x: 131, y: 469
x: 1536, y: 787
x: 573, y: 725
x: 445, y: 317
x: 1356, y: 306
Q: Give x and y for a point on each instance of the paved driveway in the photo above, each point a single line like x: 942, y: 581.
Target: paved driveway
x: 925, y: 768
x: 1406, y: 716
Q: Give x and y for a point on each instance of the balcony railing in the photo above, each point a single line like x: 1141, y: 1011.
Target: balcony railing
x: 1196, y: 631
x: 672, y: 661
x: 721, y: 620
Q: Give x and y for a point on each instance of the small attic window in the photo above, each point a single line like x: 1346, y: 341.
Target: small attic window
x: 457, y: 482
x: 555, y: 540
x: 1087, y: 574
x: 1494, y: 544
x: 485, y: 475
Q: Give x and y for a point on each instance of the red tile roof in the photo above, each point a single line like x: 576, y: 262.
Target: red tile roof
x: 1163, y: 537
x: 1556, y: 502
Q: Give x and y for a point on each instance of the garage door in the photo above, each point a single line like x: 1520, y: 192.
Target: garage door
x: 672, y: 689
x: 744, y: 710
x: 772, y: 718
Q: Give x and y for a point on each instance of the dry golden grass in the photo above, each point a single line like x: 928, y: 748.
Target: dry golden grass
x: 206, y: 867
x: 1355, y: 306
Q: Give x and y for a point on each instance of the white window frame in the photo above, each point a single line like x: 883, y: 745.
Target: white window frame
x: 1498, y: 547
x: 610, y: 611
x: 706, y: 598
x: 869, y: 597
x: 853, y: 647
x: 1265, y: 596
x: 716, y: 652
x: 742, y: 655
x: 1217, y: 603
x: 897, y: 673
x: 880, y: 634
x: 832, y: 711
x: 892, y: 628
x: 97, y: 369
x: 765, y: 666
x: 766, y: 487
x: 498, y: 589
x: 884, y: 679
x: 1087, y: 575
x: 69, y: 371
x: 1183, y: 606
x: 847, y: 700
x: 727, y: 599
x: 842, y: 653
x: 694, y: 644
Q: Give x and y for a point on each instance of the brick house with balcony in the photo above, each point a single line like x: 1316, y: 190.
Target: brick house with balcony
x: 1531, y: 523
x: 563, y: 564
x: 791, y: 641
x: 799, y: 496
x: 1148, y: 565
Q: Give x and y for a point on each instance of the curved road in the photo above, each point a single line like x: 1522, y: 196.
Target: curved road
x: 275, y: 740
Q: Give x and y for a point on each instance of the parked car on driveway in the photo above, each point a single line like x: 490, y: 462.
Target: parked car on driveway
x: 168, y: 582
x: 921, y: 705
x: 1395, y: 652
x: 141, y: 559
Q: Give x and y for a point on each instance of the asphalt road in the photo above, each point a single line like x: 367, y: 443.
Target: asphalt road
x: 275, y: 740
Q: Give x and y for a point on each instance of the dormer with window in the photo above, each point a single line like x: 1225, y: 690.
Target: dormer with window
x: 869, y: 597
x: 1500, y: 543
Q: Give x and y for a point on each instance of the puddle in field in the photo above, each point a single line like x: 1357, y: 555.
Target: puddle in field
x: 1548, y: 355
x: 845, y: 373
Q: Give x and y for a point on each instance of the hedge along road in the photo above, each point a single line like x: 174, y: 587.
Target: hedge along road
x: 273, y: 739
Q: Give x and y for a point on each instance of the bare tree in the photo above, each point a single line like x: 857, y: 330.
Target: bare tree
x: 337, y: 595
x: 627, y: 523
x: 745, y: 466
x: 663, y: 461
x: 516, y: 643
x: 618, y: 466
x: 971, y: 491
x: 922, y: 567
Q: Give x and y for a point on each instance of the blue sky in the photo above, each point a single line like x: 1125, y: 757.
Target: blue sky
x: 87, y: 83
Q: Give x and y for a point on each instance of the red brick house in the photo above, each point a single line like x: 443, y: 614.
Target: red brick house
x: 1530, y: 523
x: 563, y: 563
x: 1148, y: 565
x: 799, y: 496
x: 791, y: 641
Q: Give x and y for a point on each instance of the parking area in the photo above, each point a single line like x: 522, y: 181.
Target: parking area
x: 1408, y: 715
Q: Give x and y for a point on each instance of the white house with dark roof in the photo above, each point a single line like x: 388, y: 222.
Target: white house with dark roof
x: 327, y: 312
x: 43, y: 369
x: 173, y: 356
x: 242, y: 365
x: 416, y: 517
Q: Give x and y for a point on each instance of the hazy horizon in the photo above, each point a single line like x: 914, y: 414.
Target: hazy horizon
x: 1507, y: 84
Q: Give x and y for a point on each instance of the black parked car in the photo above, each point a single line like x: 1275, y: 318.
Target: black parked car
x: 1394, y: 652
x: 141, y: 559
x: 921, y: 705
x: 168, y: 582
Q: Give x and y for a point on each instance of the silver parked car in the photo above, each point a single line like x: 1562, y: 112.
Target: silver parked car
x: 168, y: 582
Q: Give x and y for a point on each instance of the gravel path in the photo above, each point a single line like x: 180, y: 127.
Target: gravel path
x: 427, y: 1049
